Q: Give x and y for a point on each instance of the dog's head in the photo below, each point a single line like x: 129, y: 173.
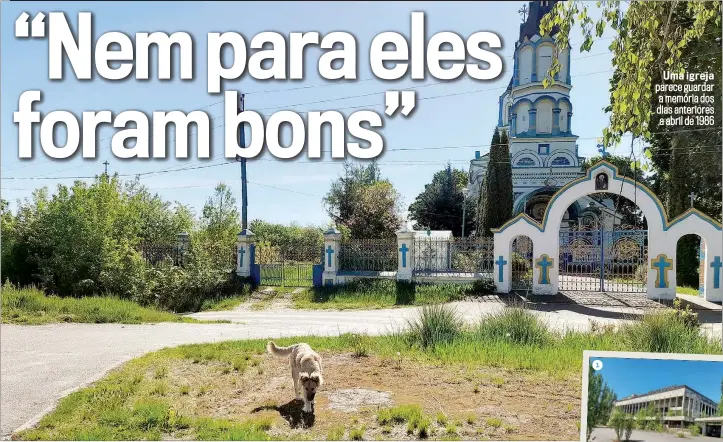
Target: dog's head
x: 311, y: 382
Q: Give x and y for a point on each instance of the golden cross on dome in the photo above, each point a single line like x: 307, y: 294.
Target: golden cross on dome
x: 523, y: 12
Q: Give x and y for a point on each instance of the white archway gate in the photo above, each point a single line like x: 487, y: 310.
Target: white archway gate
x: 662, y: 238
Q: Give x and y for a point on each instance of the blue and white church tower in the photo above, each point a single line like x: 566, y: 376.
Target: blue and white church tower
x: 539, y: 123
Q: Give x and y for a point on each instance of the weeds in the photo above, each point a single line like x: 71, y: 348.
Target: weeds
x: 436, y: 324
x: 335, y: 433
x: 515, y: 324
x: 494, y: 422
x: 357, y: 433
x: 31, y: 306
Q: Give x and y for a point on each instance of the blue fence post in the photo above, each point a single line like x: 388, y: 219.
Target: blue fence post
x: 255, y: 268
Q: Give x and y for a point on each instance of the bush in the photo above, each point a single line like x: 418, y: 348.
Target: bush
x: 663, y: 332
x: 516, y: 324
x: 617, y: 423
x: 436, y: 324
x: 695, y: 430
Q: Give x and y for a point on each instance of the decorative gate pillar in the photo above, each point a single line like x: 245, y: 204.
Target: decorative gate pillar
x: 244, y: 242
x: 332, y: 245
x: 503, y: 263
x: 405, y: 258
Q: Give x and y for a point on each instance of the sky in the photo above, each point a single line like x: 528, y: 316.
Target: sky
x: 638, y: 376
x: 450, y: 122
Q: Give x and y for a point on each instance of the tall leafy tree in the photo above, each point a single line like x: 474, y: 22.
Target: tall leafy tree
x: 495, y: 199
x: 363, y: 203
x: 600, y: 400
x: 440, y: 205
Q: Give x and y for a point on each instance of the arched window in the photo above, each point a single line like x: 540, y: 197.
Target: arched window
x: 560, y: 161
x: 526, y: 162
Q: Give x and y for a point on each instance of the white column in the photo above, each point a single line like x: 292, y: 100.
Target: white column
x: 503, y: 263
x: 244, y: 241
x: 332, y: 244
x: 405, y: 257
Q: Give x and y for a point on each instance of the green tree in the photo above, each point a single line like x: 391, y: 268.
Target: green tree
x: 720, y: 403
x: 439, y: 206
x: 364, y: 203
x: 600, y: 401
x: 495, y: 199
x: 651, y: 37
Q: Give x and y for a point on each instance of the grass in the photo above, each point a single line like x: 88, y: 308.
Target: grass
x: 382, y: 293
x: 31, y: 306
x: 142, y: 401
x: 687, y: 291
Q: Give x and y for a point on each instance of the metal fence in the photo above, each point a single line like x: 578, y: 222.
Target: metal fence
x: 374, y: 255
x: 155, y: 253
x: 287, y: 265
x: 454, y: 255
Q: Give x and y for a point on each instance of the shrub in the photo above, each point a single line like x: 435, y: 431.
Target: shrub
x: 617, y: 422
x: 686, y: 315
x: 695, y: 430
x: 515, y: 324
x: 663, y: 332
x: 359, y: 342
x: 436, y: 324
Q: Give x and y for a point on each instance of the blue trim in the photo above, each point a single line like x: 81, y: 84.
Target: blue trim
x: 546, y: 146
x: 499, y: 118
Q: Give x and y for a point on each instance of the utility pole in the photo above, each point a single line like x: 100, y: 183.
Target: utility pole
x: 106, y: 163
x: 242, y: 144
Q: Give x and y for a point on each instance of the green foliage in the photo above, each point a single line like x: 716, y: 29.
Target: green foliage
x: 514, y: 324
x: 650, y: 38
x: 494, y: 207
x: 600, y: 401
x: 436, y: 324
x: 292, y: 238
x: 622, y: 424
x: 367, y: 205
x: 84, y: 241
x: 31, y: 306
x: 695, y: 430
x: 440, y: 205
x: 664, y: 332
x: 380, y: 293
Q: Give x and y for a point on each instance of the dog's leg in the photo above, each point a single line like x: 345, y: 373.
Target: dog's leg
x: 295, y: 376
x: 307, y: 406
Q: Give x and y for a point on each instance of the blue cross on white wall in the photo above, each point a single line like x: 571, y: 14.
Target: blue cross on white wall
x: 404, y: 249
x: 501, y: 266
x: 241, y: 253
x: 661, y: 264
x: 329, y: 252
x: 716, y: 265
x: 544, y: 264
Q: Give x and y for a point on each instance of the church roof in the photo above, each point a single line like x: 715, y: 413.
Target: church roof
x: 537, y: 10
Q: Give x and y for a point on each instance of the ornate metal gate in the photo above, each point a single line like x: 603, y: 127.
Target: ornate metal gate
x: 598, y: 260
x: 290, y: 266
x: 521, y: 264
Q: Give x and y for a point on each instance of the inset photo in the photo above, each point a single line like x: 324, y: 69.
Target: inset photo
x: 654, y: 397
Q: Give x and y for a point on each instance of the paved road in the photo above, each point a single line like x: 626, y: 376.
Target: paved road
x: 608, y: 435
x: 41, y: 364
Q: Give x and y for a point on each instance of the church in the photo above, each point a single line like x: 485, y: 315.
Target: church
x: 539, y: 123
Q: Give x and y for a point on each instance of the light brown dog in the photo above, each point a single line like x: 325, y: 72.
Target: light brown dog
x: 305, y: 369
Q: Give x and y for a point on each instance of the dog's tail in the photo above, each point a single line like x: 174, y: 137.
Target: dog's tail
x: 275, y: 350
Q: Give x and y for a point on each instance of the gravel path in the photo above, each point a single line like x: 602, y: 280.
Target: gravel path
x: 41, y: 364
